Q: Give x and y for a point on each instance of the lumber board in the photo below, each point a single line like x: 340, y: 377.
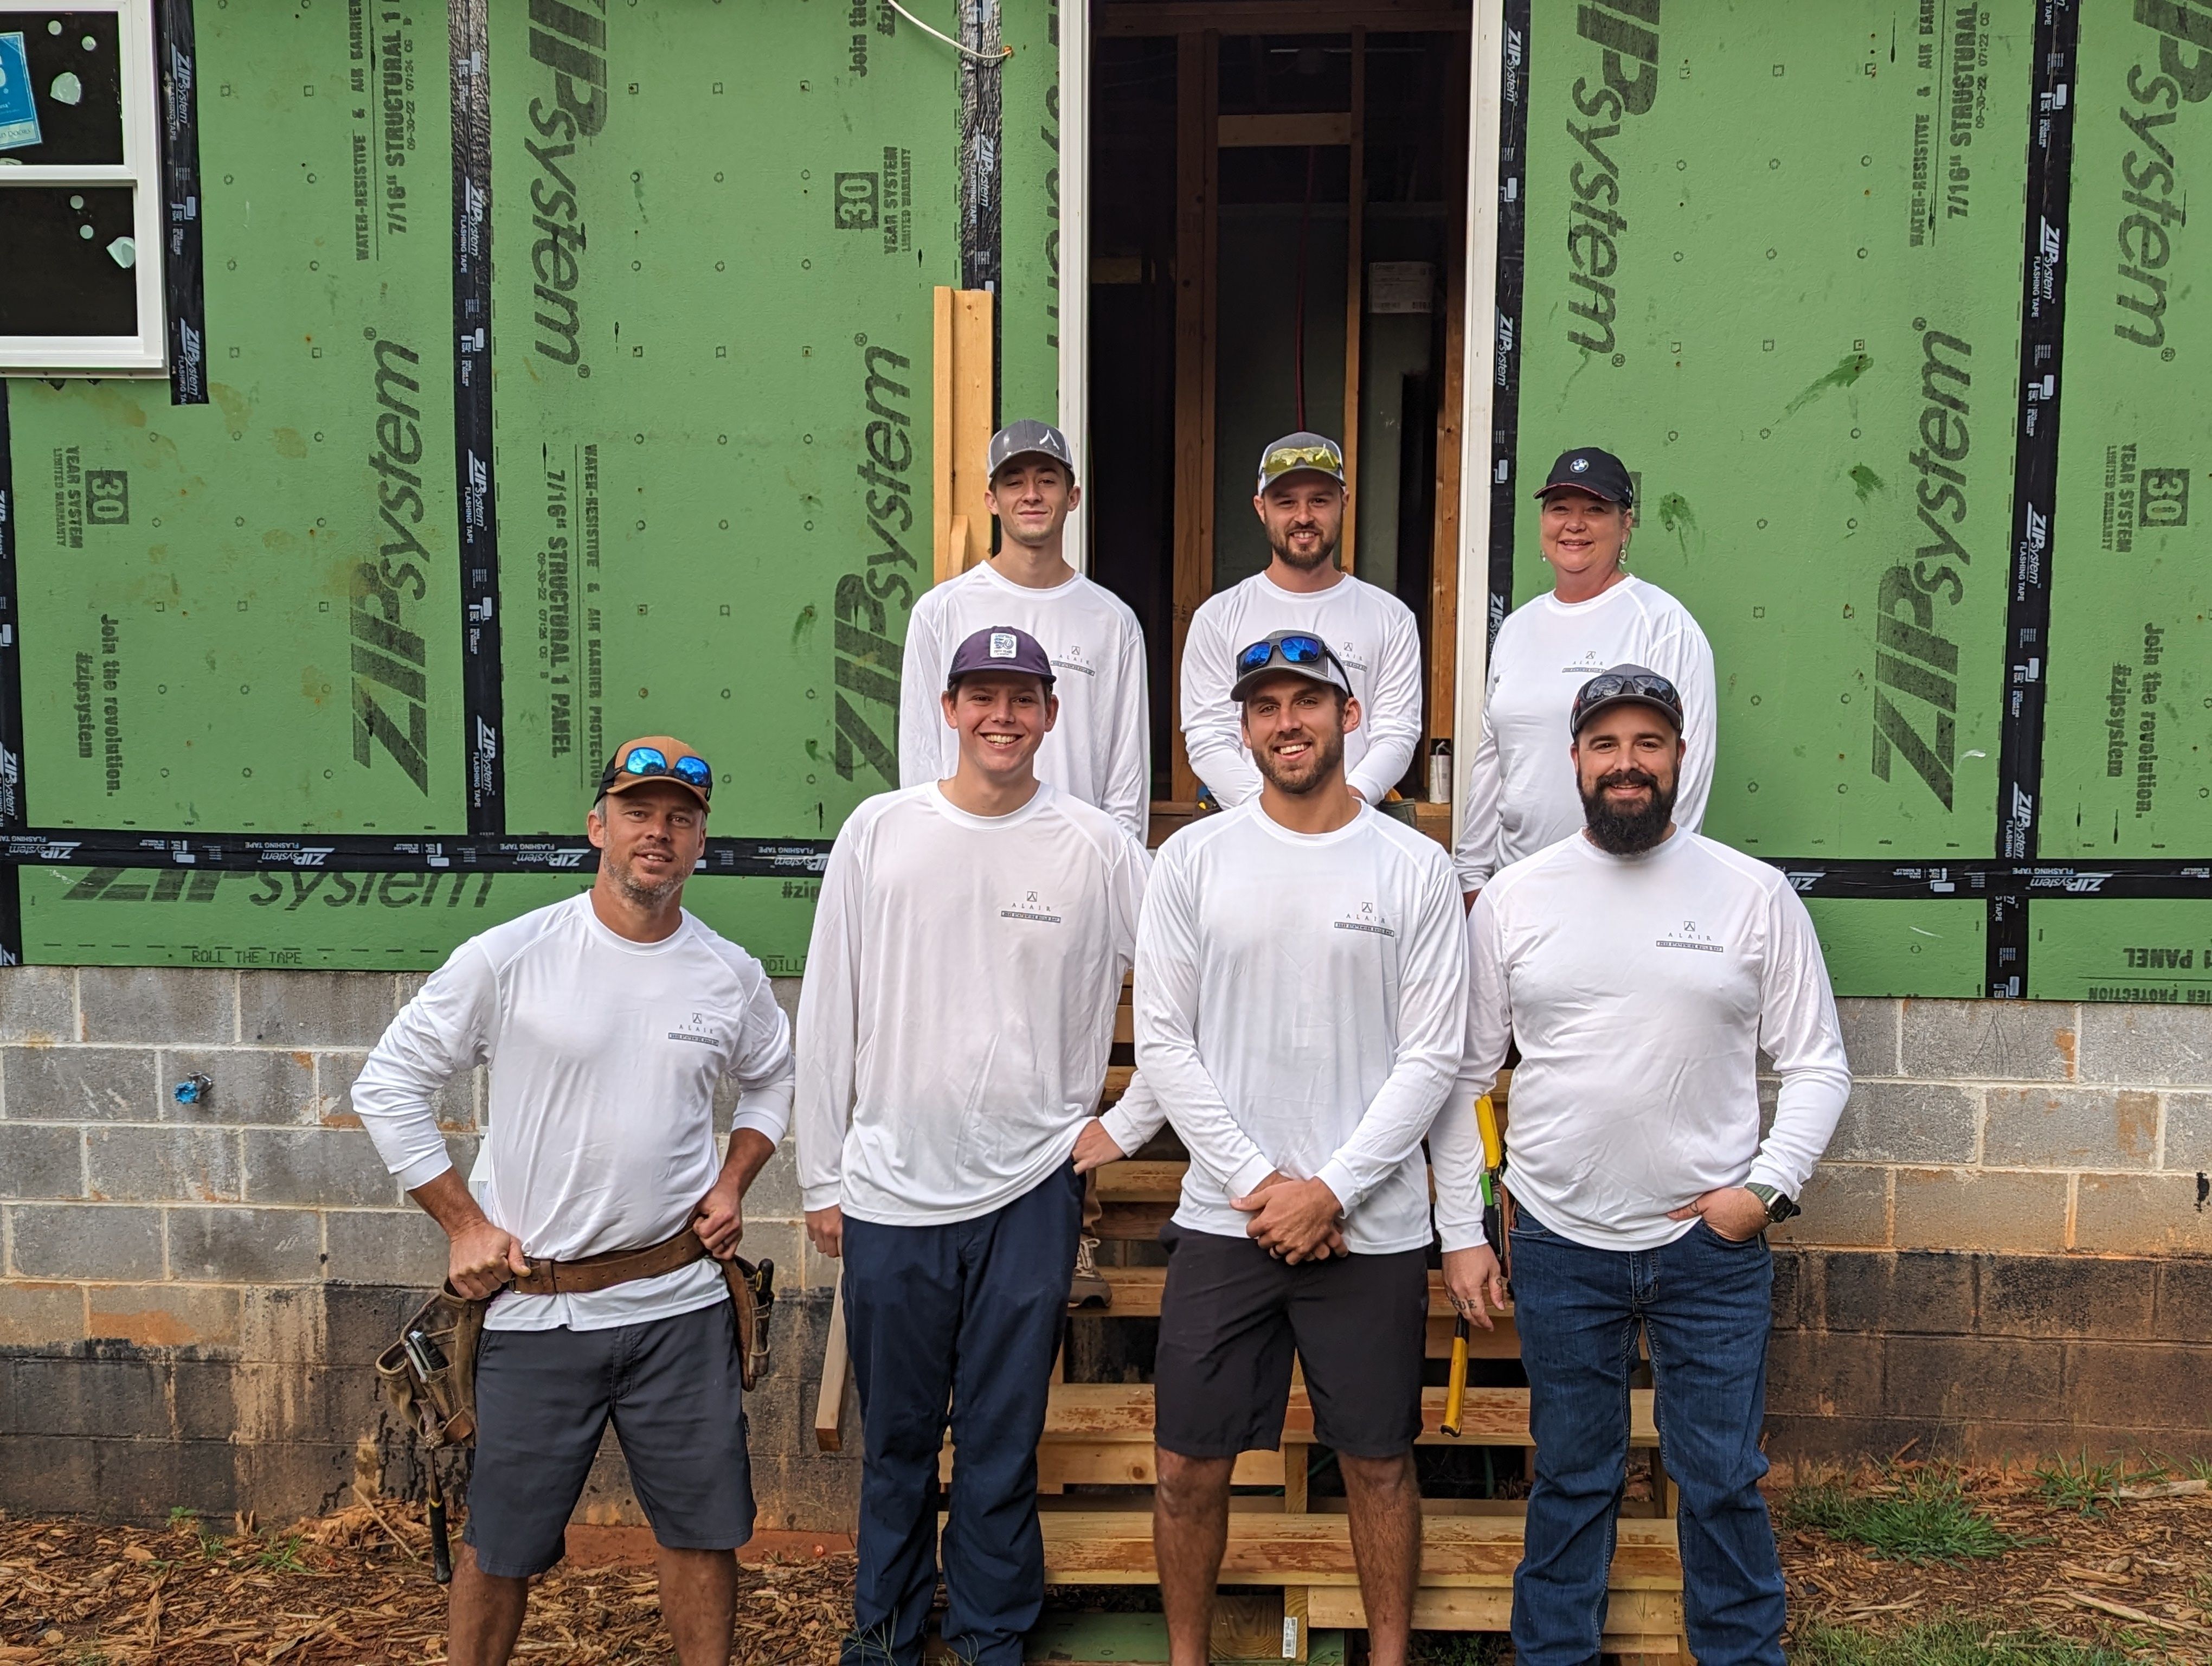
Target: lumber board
x: 1636, y: 1621
x: 1104, y: 1413
x: 1116, y: 1547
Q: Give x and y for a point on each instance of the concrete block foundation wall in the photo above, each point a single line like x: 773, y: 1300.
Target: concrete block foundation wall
x: 2007, y: 1251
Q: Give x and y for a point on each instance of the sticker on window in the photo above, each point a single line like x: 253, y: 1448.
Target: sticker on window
x: 19, y: 114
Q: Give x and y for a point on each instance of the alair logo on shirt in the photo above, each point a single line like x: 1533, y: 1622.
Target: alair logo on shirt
x: 1689, y: 937
x: 1589, y: 665
x: 1366, y: 918
x: 1073, y: 657
x: 691, y: 1032
x: 1031, y: 907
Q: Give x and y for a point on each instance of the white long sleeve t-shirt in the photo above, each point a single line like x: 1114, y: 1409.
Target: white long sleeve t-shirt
x: 958, y: 1008
x: 1521, y: 794
x: 1101, y: 747
x: 1641, y: 990
x: 605, y: 1055
x: 1299, y: 1004
x: 1371, y: 630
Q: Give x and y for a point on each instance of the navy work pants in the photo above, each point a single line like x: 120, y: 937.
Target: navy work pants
x: 955, y: 1323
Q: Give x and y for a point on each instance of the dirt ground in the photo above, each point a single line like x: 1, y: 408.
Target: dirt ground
x: 2132, y: 1573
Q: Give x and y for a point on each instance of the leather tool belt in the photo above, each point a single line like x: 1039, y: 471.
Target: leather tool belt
x: 430, y: 1372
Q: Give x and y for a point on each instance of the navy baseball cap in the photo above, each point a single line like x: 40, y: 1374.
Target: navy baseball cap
x: 1000, y: 648
x: 1027, y: 439
x: 1295, y: 454
x: 1587, y: 469
x: 1625, y: 686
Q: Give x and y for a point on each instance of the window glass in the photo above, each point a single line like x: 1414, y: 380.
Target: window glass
x: 61, y: 88
x: 70, y: 256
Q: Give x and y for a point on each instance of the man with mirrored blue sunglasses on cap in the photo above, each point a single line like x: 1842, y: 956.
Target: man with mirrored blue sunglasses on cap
x: 1301, y: 501
x: 1300, y: 993
x: 608, y: 1021
x: 968, y: 947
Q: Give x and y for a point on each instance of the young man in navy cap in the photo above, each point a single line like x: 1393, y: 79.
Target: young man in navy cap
x: 1643, y: 970
x: 1302, y: 503
x: 959, y: 1009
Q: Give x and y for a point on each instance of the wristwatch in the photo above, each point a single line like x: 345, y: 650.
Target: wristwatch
x: 1778, y: 1207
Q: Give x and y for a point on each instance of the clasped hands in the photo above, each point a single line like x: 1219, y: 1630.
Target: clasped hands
x: 1294, y: 1220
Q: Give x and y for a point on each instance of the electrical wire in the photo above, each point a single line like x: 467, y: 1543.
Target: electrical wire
x: 1005, y: 52
x: 1298, y: 306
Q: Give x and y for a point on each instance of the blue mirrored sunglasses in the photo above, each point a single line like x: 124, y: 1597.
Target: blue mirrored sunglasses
x: 1294, y: 650
x: 649, y: 761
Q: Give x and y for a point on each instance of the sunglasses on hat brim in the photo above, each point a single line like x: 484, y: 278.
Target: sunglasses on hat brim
x: 646, y: 762
x: 1301, y: 652
x: 1289, y: 459
x: 1653, y: 690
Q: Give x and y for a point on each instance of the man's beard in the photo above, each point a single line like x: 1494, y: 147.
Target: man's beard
x: 1628, y: 832
x: 1298, y: 780
x: 634, y: 890
x: 1322, y: 558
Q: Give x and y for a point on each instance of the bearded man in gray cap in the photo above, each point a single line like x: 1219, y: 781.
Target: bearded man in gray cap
x: 1302, y: 501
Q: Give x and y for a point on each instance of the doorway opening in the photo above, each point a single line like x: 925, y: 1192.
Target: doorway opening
x: 1276, y: 238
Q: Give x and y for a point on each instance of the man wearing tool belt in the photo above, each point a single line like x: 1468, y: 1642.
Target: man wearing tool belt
x: 607, y: 1021
x: 968, y: 946
x: 1642, y: 969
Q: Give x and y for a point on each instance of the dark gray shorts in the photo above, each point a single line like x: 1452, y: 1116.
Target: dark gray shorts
x: 1232, y: 1315
x: 673, y: 1388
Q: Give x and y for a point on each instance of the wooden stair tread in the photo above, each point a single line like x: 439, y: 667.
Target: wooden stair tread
x: 1092, y: 1413
x: 1137, y: 1291
x: 1116, y: 1547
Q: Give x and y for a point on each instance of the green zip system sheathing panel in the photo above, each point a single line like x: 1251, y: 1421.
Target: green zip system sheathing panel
x: 2125, y: 766
x: 242, y: 615
x: 1778, y: 269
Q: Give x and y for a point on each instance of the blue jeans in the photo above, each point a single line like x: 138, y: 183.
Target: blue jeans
x: 956, y: 1324
x: 1706, y: 1305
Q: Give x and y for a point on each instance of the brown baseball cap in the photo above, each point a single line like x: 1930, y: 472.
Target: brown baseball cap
x: 653, y: 758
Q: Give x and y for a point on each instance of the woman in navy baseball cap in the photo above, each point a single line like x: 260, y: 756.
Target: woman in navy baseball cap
x: 1521, y: 794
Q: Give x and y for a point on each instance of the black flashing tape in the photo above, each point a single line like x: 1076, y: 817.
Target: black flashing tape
x: 11, y: 699
x: 183, y: 276
x: 363, y: 853
x: 1512, y: 250
x: 483, y: 710
x: 2035, y: 475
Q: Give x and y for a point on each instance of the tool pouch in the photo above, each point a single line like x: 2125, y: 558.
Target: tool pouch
x: 440, y: 1403
x: 752, y: 1292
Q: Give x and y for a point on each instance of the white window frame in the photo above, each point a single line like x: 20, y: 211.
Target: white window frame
x: 146, y: 353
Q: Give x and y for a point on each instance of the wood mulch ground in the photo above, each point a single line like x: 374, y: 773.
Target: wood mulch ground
x: 352, y: 1588
x: 2132, y: 1572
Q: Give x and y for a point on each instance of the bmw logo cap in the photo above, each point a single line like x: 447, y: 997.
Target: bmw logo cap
x: 1587, y: 469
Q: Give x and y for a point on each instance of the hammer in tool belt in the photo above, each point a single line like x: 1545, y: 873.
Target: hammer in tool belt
x: 1494, y: 1233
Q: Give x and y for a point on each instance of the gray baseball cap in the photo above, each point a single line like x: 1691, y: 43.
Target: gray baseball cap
x: 1027, y: 439
x: 1295, y: 454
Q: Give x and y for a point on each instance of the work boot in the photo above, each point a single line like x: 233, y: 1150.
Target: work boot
x: 1088, y: 1288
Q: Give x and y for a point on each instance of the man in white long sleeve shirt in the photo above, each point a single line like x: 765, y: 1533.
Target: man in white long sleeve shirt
x: 1301, y: 502
x: 1521, y: 790
x: 1642, y: 968
x: 969, y: 948
x: 1299, y: 998
x: 607, y: 1022
x: 1099, y: 749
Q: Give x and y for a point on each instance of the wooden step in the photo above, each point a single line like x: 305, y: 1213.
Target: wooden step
x: 1115, y: 1547
x: 1100, y: 1434
x: 1137, y: 1296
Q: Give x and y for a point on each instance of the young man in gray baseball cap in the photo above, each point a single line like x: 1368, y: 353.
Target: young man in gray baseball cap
x: 1100, y: 749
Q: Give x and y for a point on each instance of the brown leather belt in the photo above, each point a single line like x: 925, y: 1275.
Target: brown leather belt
x: 577, y: 1278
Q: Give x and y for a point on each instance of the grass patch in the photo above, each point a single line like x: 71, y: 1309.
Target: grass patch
x: 2076, y: 1484
x: 1947, y: 1642
x: 1922, y: 1516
